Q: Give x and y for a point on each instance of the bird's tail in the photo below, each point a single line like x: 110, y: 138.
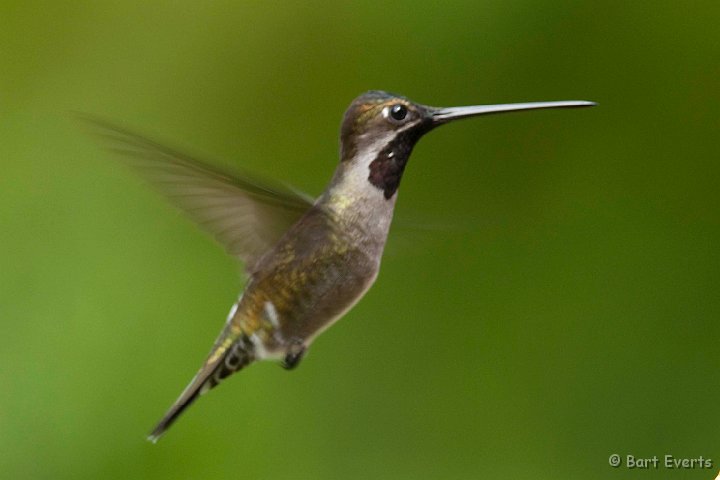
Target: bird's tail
x: 230, y: 354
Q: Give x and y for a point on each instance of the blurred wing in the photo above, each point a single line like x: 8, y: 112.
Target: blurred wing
x: 246, y: 215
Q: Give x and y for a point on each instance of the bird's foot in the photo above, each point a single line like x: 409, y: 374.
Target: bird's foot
x: 294, y: 354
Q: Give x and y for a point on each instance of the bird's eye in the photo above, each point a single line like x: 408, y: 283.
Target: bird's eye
x: 398, y: 112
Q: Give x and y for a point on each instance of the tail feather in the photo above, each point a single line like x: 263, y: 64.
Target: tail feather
x: 219, y: 366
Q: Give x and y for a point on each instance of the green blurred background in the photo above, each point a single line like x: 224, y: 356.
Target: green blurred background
x: 558, y: 303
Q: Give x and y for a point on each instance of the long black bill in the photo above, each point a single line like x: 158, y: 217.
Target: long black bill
x: 444, y: 115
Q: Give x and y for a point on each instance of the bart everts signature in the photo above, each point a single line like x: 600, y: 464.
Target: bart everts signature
x: 667, y: 461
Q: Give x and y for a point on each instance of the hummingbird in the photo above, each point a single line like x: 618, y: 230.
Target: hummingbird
x: 308, y: 261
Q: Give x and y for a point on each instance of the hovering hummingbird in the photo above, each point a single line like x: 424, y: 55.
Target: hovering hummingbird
x: 308, y: 261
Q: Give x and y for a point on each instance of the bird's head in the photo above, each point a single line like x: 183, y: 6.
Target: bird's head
x: 380, y: 129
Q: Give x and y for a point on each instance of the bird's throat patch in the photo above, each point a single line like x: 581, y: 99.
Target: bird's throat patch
x: 388, y: 166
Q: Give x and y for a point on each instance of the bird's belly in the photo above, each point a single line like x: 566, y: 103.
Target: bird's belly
x: 295, y: 303
x: 326, y: 305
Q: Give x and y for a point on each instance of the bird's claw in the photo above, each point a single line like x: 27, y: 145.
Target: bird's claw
x: 294, y: 354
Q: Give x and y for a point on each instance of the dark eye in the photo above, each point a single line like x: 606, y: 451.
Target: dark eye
x: 398, y: 112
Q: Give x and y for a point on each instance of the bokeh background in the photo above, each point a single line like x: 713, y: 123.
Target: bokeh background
x: 550, y: 295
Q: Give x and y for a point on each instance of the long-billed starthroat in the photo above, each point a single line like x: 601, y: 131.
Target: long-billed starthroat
x: 308, y: 261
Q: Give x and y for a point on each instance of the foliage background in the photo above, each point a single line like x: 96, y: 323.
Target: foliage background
x: 562, y: 306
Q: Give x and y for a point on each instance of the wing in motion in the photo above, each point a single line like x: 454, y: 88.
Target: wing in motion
x: 245, y: 214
